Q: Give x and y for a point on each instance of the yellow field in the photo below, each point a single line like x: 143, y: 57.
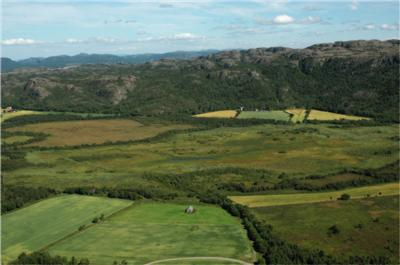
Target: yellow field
x: 67, y: 133
x: 298, y: 114
x: 16, y: 139
x: 218, y: 114
x: 326, y: 116
x: 9, y: 115
x: 300, y: 198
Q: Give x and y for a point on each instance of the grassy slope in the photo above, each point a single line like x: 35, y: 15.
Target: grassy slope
x: 279, y: 148
x: 300, y: 198
x: 307, y: 225
x: 10, y: 115
x: 218, y: 114
x: 42, y: 223
x: 67, y: 133
x: 16, y: 139
x: 269, y: 115
x: 154, y: 231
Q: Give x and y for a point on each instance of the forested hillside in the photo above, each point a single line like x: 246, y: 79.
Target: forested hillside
x: 354, y: 77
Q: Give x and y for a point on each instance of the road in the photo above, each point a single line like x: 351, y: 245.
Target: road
x: 200, y: 258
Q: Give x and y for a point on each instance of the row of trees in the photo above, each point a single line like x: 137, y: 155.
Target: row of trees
x: 44, y: 258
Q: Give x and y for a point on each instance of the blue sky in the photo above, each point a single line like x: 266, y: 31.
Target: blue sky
x: 45, y: 28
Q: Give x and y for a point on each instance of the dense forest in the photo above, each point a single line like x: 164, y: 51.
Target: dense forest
x: 355, y: 77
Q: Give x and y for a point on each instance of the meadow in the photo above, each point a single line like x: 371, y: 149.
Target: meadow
x: 217, y: 114
x: 153, y: 231
x: 301, y: 198
x: 42, y: 223
x: 69, y: 133
x: 293, y: 150
x: 368, y: 226
x: 298, y: 115
x: 268, y: 115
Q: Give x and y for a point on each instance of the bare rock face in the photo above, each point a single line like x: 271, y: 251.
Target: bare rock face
x: 115, y: 87
x: 39, y: 87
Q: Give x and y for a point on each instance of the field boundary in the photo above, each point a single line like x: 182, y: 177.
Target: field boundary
x: 199, y: 258
x: 46, y: 247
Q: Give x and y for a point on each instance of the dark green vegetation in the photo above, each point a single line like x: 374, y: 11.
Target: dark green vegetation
x: 358, y: 77
x: 67, y: 61
x: 354, y: 227
x: 44, y: 258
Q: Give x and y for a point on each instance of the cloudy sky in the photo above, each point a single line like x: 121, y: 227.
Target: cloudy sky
x: 45, y: 28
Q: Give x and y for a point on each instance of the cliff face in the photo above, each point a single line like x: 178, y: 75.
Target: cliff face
x: 358, y: 77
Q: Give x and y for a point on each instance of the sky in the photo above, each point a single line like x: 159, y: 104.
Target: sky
x: 40, y: 28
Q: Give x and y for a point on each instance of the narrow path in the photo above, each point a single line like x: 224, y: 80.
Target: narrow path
x: 200, y: 258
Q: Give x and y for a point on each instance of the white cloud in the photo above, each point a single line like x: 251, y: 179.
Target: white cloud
x: 286, y: 19
x: 187, y: 36
x: 73, y: 40
x: 20, y: 41
x: 354, y: 5
x: 177, y: 37
x: 283, y: 19
x: 369, y: 26
x: 389, y: 26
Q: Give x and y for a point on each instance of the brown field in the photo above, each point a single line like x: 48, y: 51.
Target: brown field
x: 217, y: 114
x: 69, y: 133
x: 326, y: 116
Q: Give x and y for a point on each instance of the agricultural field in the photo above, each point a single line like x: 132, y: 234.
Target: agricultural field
x: 367, y: 226
x: 16, y: 139
x: 155, y: 231
x: 42, y: 223
x: 70, y: 133
x: 218, y: 114
x: 301, y: 198
x: 9, y: 115
x: 278, y: 115
x: 327, y: 116
x: 298, y: 115
x: 295, y: 150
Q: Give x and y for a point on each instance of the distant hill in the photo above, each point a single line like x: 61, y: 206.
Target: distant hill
x: 8, y: 64
x: 351, y: 77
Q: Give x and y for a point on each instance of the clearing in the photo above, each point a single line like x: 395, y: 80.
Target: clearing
x: 327, y: 116
x: 42, y: 223
x: 69, y: 133
x: 149, y: 232
x: 298, y: 115
x: 367, y: 227
x: 300, y: 198
x: 268, y: 115
x: 218, y: 114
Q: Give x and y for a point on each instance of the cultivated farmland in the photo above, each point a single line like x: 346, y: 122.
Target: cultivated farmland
x: 47, y: 221
x: 298, y: 115
x: 268, y: 115
x: 218, y: 114
x: 154, y: 231
x: 300, y: 198
x: 326, y: 116
x: 69, y: 133
x: 368, y: 226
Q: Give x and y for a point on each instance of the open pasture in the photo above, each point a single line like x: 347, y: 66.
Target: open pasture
x: 69, y: 133
x: 327, y: 116
x: 154, y: 231
x: 218, y: 114
x: 42, y: 223
x: 268, y: 115
x: 312, y: 197
x: 298, y: 115
x: 366, y: 227
x: 296, y: 150
x: 9, y: 115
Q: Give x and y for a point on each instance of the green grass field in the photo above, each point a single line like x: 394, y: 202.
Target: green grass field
x: 33, y: 227
x: 296, y: 150
x: 367, y: 227
x: 312, y: 197
x: 154, y: 231
x: 268, y: 115
x: 16, y: 139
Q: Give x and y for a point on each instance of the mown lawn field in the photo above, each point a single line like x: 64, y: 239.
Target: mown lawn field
x: 298, y: 115
x: 9, y: 115
x: 312, y: 197
x: 16, y: 139
x: 296, y: 150
x: 154, y: 231
x: 327, y: 116
x: 218, y: 114
x: 33, y: 227
x: 69, y: 133
x: 366, y: 227
x: 268, y: 115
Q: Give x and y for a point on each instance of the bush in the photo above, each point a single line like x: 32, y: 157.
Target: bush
x: 344, y: 197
